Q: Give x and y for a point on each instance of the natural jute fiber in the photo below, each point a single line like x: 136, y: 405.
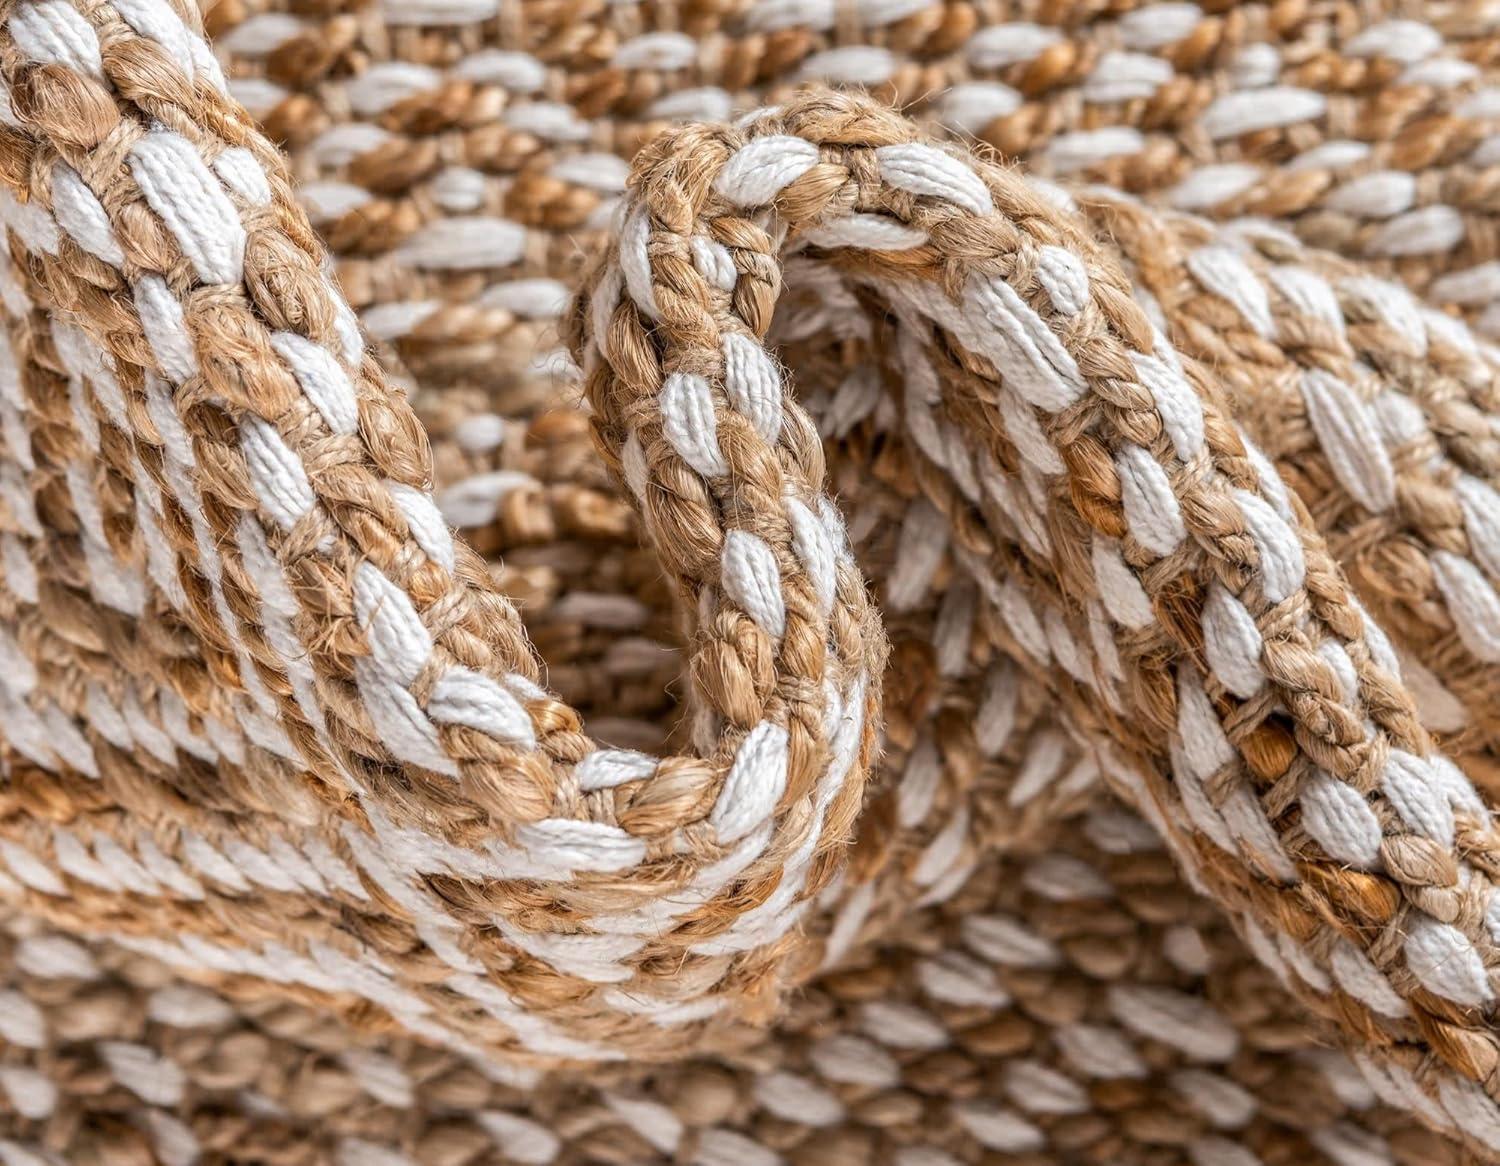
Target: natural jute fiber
x: 1081, y: 611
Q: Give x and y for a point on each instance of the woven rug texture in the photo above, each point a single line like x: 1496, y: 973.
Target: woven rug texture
x: 749, y: 582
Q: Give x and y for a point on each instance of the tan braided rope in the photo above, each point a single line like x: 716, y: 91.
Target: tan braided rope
x: 60, y: 372
x: 1395, y: 58
x: 1275, y: 652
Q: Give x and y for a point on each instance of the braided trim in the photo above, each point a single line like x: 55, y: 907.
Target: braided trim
x: 1057, y: 922
x: 1368, y: 402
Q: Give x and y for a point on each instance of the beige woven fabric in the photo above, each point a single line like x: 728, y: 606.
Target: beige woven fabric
x: 327, y: 836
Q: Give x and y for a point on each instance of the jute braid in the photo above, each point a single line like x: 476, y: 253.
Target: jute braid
x: 1222, y: 817
x: 237, y: 783
x: 385, y: 1099
x: 1057, y: 1009
x: 1373, y: 407
x: 1037, y: 925
x: 1397, y: 66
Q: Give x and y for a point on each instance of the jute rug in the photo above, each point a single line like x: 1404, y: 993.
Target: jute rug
x: 971, y: 633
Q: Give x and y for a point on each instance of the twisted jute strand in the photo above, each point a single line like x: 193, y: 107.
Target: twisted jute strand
x: 1370, y: 403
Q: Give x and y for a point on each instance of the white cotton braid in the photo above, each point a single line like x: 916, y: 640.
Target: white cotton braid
x: 1222, y: 525
x: 278, y: 493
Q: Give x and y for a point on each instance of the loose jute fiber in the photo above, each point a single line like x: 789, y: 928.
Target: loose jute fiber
x: 972, y: 632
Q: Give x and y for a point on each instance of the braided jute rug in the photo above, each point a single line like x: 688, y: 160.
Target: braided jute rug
x: 971, y: 634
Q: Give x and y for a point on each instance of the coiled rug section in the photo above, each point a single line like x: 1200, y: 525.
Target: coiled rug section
x: 1144, y: 560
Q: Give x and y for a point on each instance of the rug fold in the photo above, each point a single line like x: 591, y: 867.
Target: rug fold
x: 970, y: 497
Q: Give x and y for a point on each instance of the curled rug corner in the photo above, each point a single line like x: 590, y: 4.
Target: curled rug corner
x: 1128, y: 544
